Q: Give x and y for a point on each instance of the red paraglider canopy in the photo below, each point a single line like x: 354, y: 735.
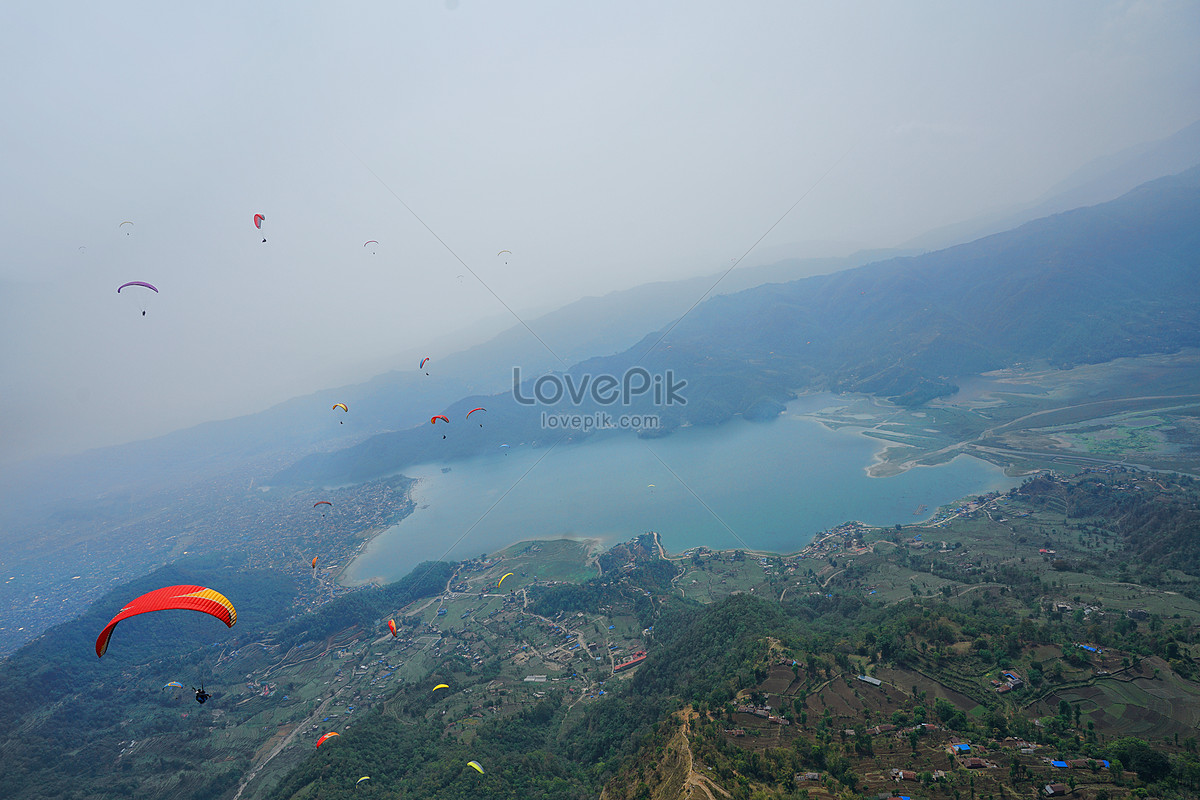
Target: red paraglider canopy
x: 188, y: 598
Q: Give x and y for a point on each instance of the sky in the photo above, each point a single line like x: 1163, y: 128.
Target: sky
x: 604, y: 144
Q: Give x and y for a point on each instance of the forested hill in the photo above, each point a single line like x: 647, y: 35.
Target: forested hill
x: 1087, y: 286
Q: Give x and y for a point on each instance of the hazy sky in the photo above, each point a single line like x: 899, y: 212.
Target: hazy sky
x: 604, y: 144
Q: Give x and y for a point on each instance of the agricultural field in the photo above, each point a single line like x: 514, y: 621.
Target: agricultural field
x: 1139, y: 411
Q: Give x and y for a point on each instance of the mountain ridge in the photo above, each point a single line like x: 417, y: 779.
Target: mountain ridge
x: 1083, y: 286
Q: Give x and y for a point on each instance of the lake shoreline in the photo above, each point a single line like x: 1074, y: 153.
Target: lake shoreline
x: 763, y: 488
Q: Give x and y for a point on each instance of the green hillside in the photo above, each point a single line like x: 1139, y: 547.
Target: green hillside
x: 1045, y: 624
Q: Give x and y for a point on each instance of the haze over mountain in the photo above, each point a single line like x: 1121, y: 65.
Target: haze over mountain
x: 1098, y: 181
x: 1085, y: 286
x: 394, y: 400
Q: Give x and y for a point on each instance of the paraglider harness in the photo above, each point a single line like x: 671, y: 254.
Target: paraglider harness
x: 201, y: 695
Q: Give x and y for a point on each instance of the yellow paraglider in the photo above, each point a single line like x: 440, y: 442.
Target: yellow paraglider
x: 475, y: 766
x: 501, y: 583
x: 441, y: 686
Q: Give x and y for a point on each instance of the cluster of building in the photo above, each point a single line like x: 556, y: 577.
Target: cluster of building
x: 1011, y: 681
x: 764, y: 712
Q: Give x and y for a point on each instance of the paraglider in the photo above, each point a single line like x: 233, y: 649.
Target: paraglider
x: 505, y: 448
x: 143, y: 284
x: 151, y: 287
x: 392, y: 627
x: 501, y: 583
x: 314, y: 563
x: 173, y: 685
x: 189, y: 598
x: 259, y: 219
x: 424, y: 361
x: 472, y: 411
x: 343, y: 407
x: 325, y: 736
x: 502, y: 252
x: 433, y: 421
x: 322, y: 503
x: 129, y: 230
x: 368, y: 244
x: 441, y: 686
x: 475, y: 766
x: 360, y: 780
x: 201, y: 695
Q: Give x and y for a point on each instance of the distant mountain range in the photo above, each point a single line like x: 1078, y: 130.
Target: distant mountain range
x: 596, y: 326
x: 256, y: 444
x: 1086, y: 286
x: 1099, y: 181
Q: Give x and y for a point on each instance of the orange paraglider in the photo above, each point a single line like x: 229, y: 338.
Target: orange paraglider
x: 392, y: 626
x: 329, y: 735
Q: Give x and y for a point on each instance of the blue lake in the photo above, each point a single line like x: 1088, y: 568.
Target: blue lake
x: 758, y: 485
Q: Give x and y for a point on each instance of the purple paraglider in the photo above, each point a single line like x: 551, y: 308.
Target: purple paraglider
x: 137, y: 283
x: 142, y: 284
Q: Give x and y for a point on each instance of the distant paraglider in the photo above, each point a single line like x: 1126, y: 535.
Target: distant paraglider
x: 322, y: 503
x: 325, y: 736
x: 173, y: 685
x: 343, y: 407
x: 368, y: 244
x: 475, y: 766
x: 441, y: 686
x: 360, y: 780
x: 129, y: 230
x: 501, y: 583
x: 472, y: 411
x: 424, y: 361
x: 314, y: 564
x: 187, y: 598
x: 502, y: 252
x: 433, y: 421
x: 392, y: 627
x: 259, y: 219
